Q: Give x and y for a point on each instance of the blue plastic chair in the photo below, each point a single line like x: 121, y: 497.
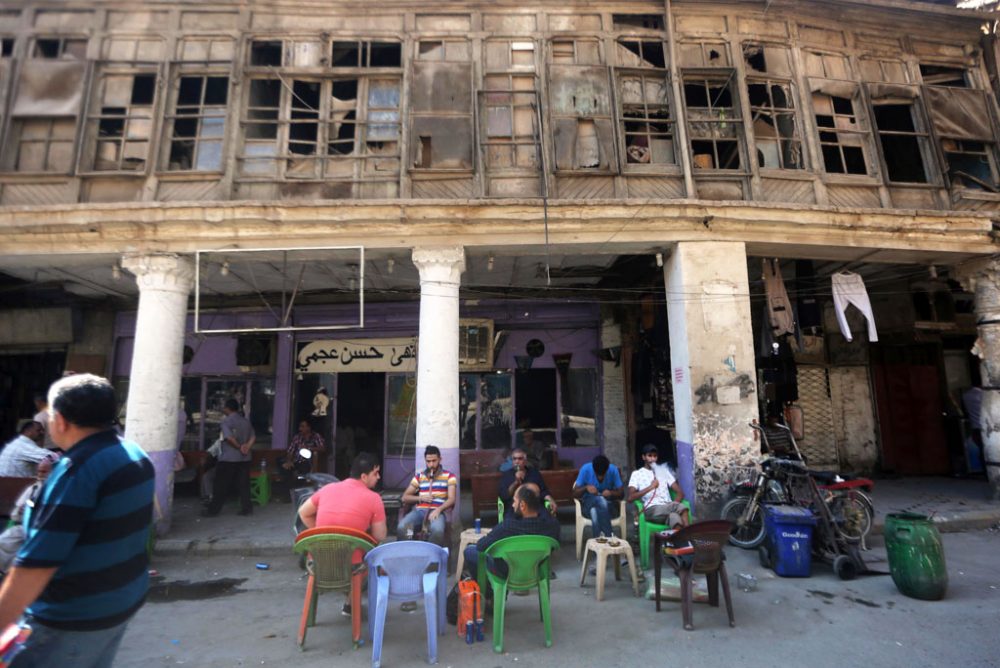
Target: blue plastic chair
x: 400, y: 572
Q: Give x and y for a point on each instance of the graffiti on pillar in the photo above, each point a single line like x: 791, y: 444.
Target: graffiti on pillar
x: 725, y: 392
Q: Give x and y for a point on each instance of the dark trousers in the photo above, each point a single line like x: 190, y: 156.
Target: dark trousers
x: 228, y: 474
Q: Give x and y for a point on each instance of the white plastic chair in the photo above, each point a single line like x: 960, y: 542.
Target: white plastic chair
x: 582, y: 522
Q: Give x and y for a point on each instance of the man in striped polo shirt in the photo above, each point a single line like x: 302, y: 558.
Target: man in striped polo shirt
x: 433, y: 490
x: 82, y: 572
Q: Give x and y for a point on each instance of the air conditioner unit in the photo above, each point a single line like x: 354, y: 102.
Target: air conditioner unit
x: 475, y: 344
x: 255, y: 353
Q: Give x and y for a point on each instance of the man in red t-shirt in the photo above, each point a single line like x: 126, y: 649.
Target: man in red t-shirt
x: 350, y: 503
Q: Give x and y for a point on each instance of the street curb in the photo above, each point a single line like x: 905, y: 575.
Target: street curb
x: 951, y: 523
x: 972, y: 520
x: 173, y: 547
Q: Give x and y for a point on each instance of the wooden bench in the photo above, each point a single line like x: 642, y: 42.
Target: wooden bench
x: 485, y: 485
x: 10, y: 490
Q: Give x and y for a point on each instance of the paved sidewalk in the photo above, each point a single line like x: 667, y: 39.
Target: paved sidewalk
x: 955, y: 504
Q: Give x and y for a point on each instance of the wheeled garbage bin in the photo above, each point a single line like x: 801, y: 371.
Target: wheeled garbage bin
x: 788, y: 540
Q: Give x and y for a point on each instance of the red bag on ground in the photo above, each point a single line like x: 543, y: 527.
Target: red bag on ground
x: 470, y: 604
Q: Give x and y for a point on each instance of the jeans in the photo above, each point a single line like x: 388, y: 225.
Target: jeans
x: 81, y: 649
x: 599, y: 510
x: 415, y: 520
x: 228, y: 474
x: 496, y: 566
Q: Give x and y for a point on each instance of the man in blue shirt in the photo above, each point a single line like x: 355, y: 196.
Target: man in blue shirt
x: 597, y: 486
x: 82, y: 571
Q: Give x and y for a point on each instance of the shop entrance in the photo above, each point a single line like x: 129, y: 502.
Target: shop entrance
x: 360, y: 423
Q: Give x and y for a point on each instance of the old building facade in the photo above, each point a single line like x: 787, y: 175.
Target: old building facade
x: 455, y: 223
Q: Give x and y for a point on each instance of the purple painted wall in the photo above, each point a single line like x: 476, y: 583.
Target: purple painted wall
x: 563, y: 328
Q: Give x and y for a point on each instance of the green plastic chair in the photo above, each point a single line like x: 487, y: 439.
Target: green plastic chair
x: 527, y: 559
x: 337, y: 564
x: 647, y: 529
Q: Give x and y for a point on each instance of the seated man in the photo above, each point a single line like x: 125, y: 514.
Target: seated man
x: 653, y: 483
x: 350, y: 503
x: 21, y: 456
x: 293, y: 464
x: 12, y: 538
x: 524, y: 518
x: 597, y: 486
x: 433, y: 490
x: 522, y: 473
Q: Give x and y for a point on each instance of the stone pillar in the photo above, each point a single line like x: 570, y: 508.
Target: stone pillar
x: 982, y: 278
x: 437, y: 354
x: 712, y: 364
x: 613, y: 396
x: 164, y: 282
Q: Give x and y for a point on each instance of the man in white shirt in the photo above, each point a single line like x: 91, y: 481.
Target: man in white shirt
x: 42, y: 418
x: 21, y: 456
x: 653, y: 483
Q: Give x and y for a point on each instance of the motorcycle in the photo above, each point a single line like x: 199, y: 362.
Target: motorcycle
x: 307, y: 484
x: 780, y: 481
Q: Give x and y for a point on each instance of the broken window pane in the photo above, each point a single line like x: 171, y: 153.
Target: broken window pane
x: 122, y: 121
x: 264, y: 53
x: 646, y: 123
x: 901, y: 143
x: 841, y: 136
x: 639, y: 53
x: 199, y: 120
x: 345, y: 54
x: 385, y: 54
x: 637, y: 21
x: 430, y: 50
x: 970, y: 164
x: 776, y: 133
x: 6, y: 47
x: 713, y: 122
x: 942, y: 75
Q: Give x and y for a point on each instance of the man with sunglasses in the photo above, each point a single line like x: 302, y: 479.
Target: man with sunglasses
x: 521, y: 473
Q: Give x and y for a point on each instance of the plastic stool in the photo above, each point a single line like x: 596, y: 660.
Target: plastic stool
x: 260, y: 487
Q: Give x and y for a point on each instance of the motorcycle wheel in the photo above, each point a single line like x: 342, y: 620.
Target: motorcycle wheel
x: 854, y: 515
x: 844, y: 567
x: 750, y: 534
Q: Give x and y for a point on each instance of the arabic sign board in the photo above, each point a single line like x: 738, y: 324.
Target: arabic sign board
x: 357, y: 355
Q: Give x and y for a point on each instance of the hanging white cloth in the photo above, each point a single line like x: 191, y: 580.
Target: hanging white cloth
x: 779, y: 309
x: 849, y: 288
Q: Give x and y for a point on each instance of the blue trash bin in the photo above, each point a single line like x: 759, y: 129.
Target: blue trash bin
x: 789, y: 533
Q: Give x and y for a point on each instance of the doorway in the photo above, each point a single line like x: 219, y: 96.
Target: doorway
x: 360, y: 418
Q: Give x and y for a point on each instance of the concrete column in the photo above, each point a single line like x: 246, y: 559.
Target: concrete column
x: 712, y: 364
x: 613, y: 398
x: 982, y: 278
x: 437, y: 353
x: 164, y: 281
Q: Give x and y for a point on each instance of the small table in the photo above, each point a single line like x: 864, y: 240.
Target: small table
x: 601, y: 553
x: 469, y: 536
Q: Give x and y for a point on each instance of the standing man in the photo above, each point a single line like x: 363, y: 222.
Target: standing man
x: 597, y: 486
x: 82, y: 571
x: 522, y: 473
x: 656, y: 486
x: 525, y: 518
x: 433, y: 490
x: 234, y: 463
x: 20, y: 457
x: 42, y: 418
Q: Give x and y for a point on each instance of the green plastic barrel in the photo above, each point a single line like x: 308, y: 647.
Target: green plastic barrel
x: 916, y: 556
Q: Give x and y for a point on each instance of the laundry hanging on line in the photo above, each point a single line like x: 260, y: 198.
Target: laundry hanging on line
x: 779, y: 309
x: 849, y: 288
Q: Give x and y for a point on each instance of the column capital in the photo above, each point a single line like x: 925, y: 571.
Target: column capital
x: 440, y: 263
x: 161, y: 271
x: 972, y: 272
